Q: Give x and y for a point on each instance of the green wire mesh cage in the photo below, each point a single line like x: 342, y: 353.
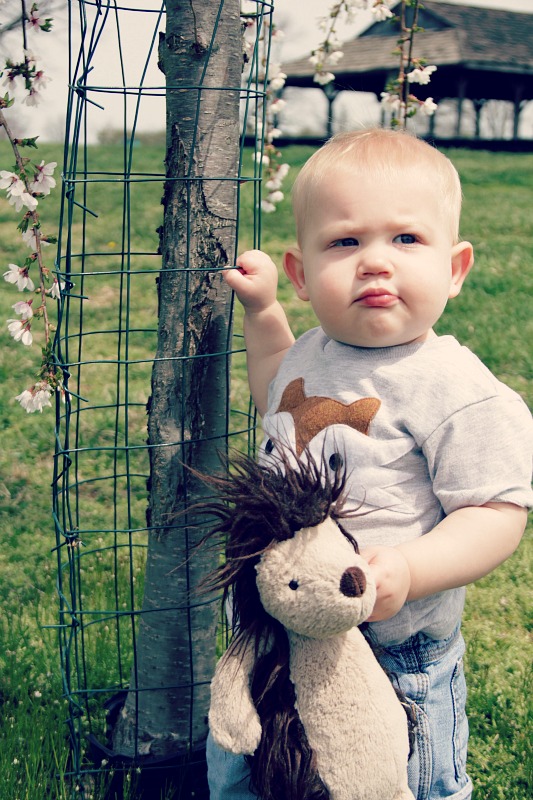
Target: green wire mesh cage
x: 109, y: 346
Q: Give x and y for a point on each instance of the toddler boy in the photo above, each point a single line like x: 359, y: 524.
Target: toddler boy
x: 437, y: 450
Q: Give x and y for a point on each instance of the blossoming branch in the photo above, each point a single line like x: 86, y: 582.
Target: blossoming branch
x: 397, y: 99
x: 25, y: 185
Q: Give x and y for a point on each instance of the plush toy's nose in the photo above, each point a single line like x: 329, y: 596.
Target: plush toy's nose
x: 353, y: 582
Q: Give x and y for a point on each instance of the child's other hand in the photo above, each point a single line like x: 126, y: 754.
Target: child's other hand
x: 255, y: 281
x: 393, y: 580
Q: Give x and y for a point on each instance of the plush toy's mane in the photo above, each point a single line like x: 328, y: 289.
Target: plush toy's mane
x: 258, y: 506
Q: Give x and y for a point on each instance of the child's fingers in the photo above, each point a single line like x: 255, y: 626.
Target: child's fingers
x: 233, y: 274
x: 233, y: 268
x: 241, y: 282
x: 253, y: 278
x: 255, y: 262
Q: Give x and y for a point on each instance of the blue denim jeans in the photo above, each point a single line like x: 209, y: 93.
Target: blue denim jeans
x: 430, y: 673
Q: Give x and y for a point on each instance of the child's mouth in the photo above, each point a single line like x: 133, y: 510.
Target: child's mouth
x: 377, y: 299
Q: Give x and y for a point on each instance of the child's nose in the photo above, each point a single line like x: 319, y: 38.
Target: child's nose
x: 374, y: 261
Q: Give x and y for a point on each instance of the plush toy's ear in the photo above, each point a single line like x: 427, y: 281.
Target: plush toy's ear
x: 233, y: 719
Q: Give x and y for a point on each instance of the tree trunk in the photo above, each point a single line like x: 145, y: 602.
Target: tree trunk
x: 166, y: 707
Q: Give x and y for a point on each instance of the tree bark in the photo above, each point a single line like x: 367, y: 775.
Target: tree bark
x: 166, y: 707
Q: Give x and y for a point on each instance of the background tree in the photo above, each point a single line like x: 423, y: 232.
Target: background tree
x: 201, y: 57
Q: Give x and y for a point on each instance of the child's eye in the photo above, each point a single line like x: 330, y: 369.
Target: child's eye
x: 405, y: 238
x: 349, y: 241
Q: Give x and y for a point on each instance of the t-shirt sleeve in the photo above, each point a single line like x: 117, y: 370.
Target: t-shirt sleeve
x: 483, y: 453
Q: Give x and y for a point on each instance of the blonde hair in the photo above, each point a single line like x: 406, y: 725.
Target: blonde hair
x: 383, y: 153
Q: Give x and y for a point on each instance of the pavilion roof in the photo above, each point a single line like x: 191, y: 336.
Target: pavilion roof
x: 489, y: 50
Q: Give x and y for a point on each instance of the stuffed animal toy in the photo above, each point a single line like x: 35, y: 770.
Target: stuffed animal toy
x: 299, y: 689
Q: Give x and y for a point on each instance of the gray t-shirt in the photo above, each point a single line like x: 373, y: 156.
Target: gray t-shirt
x: 424, y: 429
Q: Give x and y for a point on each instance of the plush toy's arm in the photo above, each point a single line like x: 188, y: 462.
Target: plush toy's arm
x: 233, y: 719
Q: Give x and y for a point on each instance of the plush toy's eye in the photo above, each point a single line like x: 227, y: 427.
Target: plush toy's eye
x: 336, y: 461
x: 293, y: 585
x: 269, y: 447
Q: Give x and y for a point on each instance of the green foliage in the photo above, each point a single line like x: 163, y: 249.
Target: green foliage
x: 497, y: 630
x: 492, y: 316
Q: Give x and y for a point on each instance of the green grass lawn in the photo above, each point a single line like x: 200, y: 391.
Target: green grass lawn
x: 492, y: 316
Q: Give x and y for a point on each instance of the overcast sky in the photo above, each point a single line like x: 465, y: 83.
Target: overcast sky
x: 297, y: 18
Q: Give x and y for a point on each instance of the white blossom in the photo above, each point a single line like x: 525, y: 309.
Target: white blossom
x: 322, y: 78
x: 333, y: 42
x: 421, y: 75
x: 16, y: 191
x: 381, y: 11
x: 317, y: 58
x: 36, y: 398
x: 272, y: 184
x: 29, y: 237
x: 43, y: 181
x: 278, y: 82
x: 23, y: 308
x: 24, y: 199
x: 33, y: 98
x: 11, y: 81
x: 353, y: 7
x: 391, y: 101
x: 273, y: 133
x: 26, y: 401
x: 278, y: 105
x: 19, y: 276
x: 42, y: 396
x: 428, y: 107
x: 20, y: 331
x: 11, y: 182
x: 334, y: 57
x: 36, y: 16
x: 260, y: 158
x: 56, y: 289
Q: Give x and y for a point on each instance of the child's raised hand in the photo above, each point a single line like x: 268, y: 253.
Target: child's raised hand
x: 267, y: 333
x: 254, y: 281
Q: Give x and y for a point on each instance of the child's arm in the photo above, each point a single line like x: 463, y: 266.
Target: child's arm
x: 266, y: 330
x: 465, y: 546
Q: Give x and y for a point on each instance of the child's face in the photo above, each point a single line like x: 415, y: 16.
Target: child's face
x: 377, y: 260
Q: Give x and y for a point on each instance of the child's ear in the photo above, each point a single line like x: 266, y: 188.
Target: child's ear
x: 294, y: 270
x: 462, y: 262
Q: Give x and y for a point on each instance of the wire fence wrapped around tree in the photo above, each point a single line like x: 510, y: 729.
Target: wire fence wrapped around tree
x: 145, y: 344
